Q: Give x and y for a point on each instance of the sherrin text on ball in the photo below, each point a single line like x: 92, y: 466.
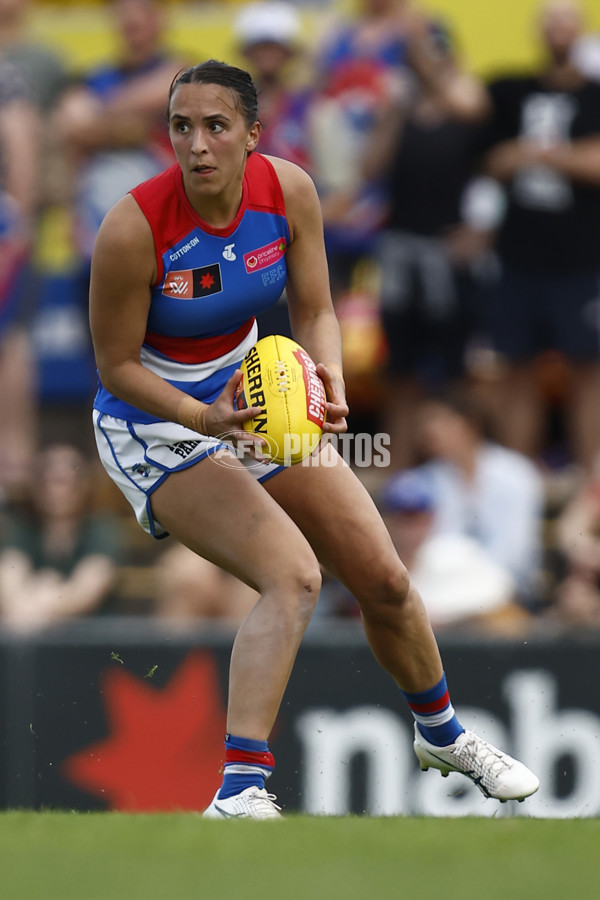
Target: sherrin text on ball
x: 280, y: 377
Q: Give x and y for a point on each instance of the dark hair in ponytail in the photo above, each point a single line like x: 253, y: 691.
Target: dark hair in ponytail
x: 214, y: 72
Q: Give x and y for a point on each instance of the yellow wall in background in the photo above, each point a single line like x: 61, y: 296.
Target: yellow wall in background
x: 495, y: 34
x: 491, y: 34
x: 83, y: 33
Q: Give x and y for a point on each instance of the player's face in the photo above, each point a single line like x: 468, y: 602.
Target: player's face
x: 211, y: 138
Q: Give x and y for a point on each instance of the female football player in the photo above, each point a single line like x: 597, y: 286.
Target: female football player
x: 181, y: 267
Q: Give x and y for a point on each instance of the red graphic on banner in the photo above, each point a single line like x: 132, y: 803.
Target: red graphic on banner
x: 165, y: 747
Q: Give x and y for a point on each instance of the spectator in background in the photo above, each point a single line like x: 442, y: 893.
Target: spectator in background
x: 191, y: 589
x: 268, y: 35
x: 545, y: 150
x: 463, y: 584
x: 269, y: 38
x: 360, y: 66
x: 425, y: 149
x: 112, y: 134
x: 47, y: 77
x: 28, y: 179
x: 112, y: 124
x: 59, y: 557
x: 45, y: 73
x: 483, y: 490
x: 576, y: 597
x: 19, y: 146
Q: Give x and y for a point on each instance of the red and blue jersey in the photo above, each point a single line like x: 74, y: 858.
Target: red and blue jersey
x: 211, y: 283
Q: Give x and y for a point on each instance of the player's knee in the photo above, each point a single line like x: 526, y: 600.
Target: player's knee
x: 293, y: 581
x: 302, y: 586
x: 309, y: 584
x: 389, y: 587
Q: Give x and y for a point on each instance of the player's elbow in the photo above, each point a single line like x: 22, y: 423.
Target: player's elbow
x: 115, y: 376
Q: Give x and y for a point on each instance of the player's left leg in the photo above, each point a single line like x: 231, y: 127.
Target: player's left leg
x: 342, y: 524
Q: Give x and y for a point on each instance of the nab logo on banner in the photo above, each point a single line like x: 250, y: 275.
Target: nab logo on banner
x: 190, y: 284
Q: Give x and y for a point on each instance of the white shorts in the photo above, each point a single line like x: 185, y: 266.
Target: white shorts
x: 139, y: 457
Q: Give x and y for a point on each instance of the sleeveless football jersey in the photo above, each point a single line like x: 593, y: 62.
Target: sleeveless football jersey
x: 211, y: 283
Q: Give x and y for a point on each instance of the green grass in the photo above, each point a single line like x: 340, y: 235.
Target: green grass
x: 110, y: 856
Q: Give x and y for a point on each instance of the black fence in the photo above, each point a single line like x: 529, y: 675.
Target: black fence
x: 125, y: 715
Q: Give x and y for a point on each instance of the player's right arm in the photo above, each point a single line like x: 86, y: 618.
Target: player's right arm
x: 123, y: 271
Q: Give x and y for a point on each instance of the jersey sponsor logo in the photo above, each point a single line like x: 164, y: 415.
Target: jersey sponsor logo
x: 183, y: 250
x: 190, y: 284
x: 265, y: 256
x: 228, y: 253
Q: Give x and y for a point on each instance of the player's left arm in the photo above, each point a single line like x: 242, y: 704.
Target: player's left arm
x: 312, y: 315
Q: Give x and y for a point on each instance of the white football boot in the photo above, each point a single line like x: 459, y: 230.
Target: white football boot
x: 495, y: 773
x: 252, y: 803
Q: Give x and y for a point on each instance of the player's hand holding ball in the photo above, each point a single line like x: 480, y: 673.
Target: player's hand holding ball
x: 223, y: 420
x: 336, y: 407
x: 280, y: 378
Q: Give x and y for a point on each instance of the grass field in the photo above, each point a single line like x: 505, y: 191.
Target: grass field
x: 110, y: 856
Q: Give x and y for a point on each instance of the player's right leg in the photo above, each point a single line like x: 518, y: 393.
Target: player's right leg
x: 226, y: 516
x: 194, y: 488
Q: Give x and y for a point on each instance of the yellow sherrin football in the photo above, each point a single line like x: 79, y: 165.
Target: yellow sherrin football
x: 280, y: 377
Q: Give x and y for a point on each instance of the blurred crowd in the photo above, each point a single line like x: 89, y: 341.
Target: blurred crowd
x: 462, y: 225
